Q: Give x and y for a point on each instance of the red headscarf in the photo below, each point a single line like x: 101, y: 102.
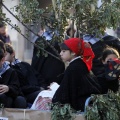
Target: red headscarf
x: 79, y: 47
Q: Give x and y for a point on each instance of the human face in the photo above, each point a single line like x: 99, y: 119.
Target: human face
x: 2, y: 61
x: 9, y: 57
x: 66, y: 55
x: 3, y: 31
x: 109, y: 57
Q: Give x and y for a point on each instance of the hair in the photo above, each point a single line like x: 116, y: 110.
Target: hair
x: 2, y: 24
x: 2, y: 53
x: 63, y: 46
x: 2, y: 45
x: 109, y: 51
x: 9, y: 48
x: 2, y: 49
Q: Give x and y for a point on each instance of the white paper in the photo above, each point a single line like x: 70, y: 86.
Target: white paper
x: 47, y: 93
x: 54, y: 86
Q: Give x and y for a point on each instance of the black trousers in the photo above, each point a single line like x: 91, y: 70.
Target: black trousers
x: 6, y: 101
x: 31, y: 97
x: 19, y: 102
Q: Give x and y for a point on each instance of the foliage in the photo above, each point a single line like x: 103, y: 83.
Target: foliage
x: 29, y: 11
x: 43, y: 45
x: 104, y: 107
x: 62, y: 112
x: 86, y: 15
x: 90, y: 18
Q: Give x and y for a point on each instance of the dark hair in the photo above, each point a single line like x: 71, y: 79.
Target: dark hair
x: 2, y: 45
x: 63, y: 46
x: 109, y: 51
x: 2, y: 53
x: 2, y: 24
x: 9, y: 48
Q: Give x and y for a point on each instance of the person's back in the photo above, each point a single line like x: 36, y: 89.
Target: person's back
x: 30, y: 80
x: 49, y: 67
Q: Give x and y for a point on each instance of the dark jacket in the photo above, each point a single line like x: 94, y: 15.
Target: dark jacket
x: 49, y: 67
x: 10, y: 79
x: 30, y: 80
x: 76, y: 86
x: 104, y: 82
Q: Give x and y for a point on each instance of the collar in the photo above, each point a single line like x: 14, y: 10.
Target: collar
x: 15, y: 61
x: 75, y: 59
x: 92, y: 38
x: 4, y: 68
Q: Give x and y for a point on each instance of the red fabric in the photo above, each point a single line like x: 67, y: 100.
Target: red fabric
x: 79, y: 47
x: 116, y: 60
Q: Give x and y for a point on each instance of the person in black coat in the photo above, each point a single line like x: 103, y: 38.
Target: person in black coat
x: 107, y: 82
x: 49, y: 67
x: 8, y: 73
x: 31, y: 82
x: 78, y: 83
x: 9, y: 85
x: 98, y: 45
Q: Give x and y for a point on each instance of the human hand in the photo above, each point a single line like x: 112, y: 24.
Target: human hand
x: 4, y: 89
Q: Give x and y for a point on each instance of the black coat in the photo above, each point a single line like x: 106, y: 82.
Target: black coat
x: 49, y: 67
x: 104, y: 82
x: 76, y: 86
x: 30, y: 80
x: 10, y: 79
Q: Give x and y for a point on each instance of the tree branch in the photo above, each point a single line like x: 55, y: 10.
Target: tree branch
x: 35, y: 44
x: 31, y: 30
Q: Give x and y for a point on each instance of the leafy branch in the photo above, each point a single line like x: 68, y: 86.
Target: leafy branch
x: 36, y: 45
x: 62, y: 112
x: 83, y: 14
x: 104, y: 107
x: 33, y: 33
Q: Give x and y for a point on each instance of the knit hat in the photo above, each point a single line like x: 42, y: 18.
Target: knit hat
x: 81, y: 48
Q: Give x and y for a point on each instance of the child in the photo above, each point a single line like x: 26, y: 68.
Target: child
x: 16, y: 101
x: 9, y: 84
x: 78, y: 83
x: 30, y: 81
x: 109, y: 55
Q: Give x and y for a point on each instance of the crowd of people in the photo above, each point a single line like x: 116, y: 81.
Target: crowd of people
x: 90, y: 71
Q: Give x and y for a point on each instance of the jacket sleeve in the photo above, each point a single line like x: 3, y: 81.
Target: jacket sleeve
x: 62, y: 93
x: 13, y: 85
x: 30, y: 89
